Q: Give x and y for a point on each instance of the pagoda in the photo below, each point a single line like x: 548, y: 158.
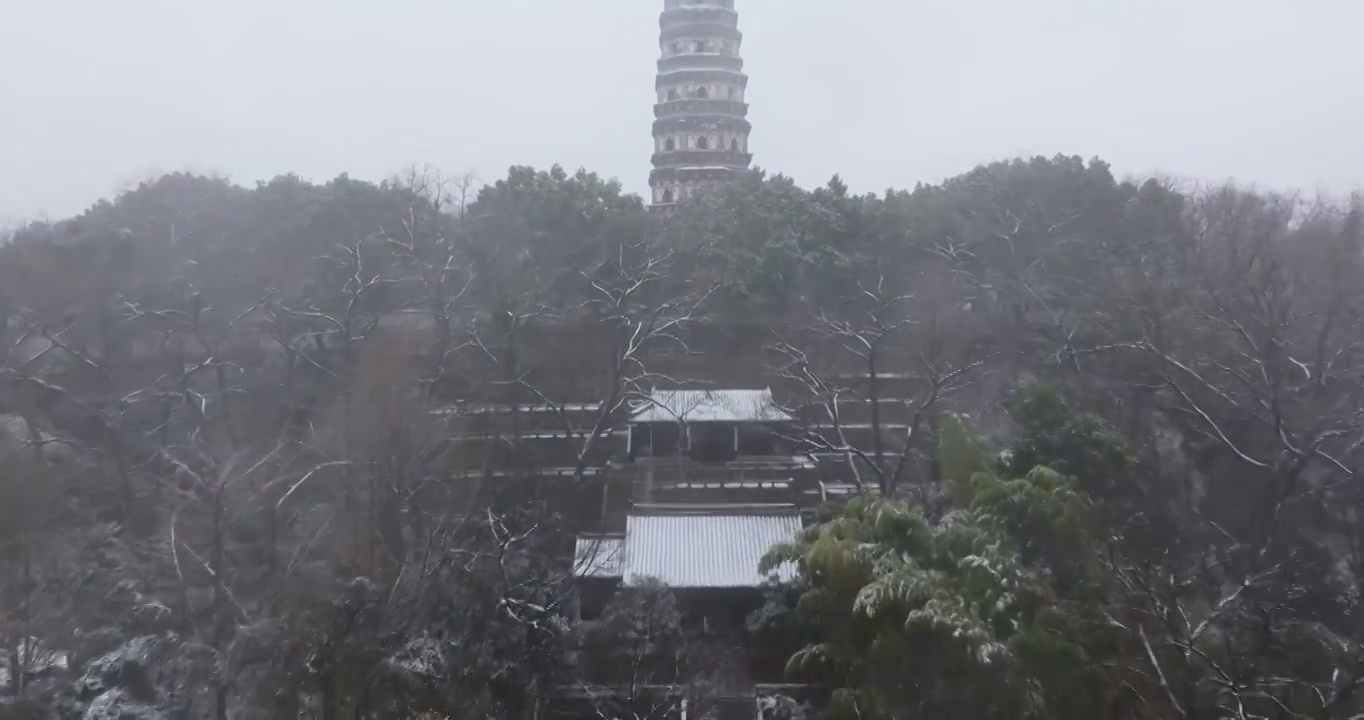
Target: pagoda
x: 700, y: 126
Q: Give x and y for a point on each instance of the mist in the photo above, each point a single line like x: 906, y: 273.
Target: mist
x: 102, y: 95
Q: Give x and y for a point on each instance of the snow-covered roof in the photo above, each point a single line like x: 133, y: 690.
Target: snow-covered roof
x: 507, y: 408
x: 706, y: 546
x: 710, y: 406
x: 692, y: 546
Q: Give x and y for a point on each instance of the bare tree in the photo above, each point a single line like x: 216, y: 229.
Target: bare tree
x: 1250, y: 331
x: 433, y: 253
x: 641, y: 663
x: 901, y: 353
x: 628, y: 303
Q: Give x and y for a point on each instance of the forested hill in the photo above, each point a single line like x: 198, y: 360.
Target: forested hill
x: 222, y: 493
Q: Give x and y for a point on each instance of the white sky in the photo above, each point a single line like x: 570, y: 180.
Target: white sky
x: 97, y: 94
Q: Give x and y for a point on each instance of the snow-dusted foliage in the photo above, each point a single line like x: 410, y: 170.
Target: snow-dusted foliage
x: 904, y: 610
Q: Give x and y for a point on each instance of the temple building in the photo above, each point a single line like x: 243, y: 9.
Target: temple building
x: 700, y: 126
x: 676, y: 493
x: 707, y: 483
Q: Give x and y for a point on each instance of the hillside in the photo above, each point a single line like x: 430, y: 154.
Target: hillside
x: 234, y: 485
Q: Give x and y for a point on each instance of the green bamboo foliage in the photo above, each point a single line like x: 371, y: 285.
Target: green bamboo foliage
x: 960, y: 615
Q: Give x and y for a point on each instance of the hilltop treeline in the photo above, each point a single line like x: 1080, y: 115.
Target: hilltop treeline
x: 225, y: 494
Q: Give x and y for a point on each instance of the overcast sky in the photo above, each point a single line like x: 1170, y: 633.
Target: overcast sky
x: 98, y: 94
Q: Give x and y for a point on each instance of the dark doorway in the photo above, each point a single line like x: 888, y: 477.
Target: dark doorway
x: 712, y: 442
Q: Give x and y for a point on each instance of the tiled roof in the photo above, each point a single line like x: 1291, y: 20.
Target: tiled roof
x: 705, y: 546
x: 691, y: 546
x: 710, y: 406
x: 508, y: 408
x: 598, y: 556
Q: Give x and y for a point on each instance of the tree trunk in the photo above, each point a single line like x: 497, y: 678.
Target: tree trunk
x: 874, y: 397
